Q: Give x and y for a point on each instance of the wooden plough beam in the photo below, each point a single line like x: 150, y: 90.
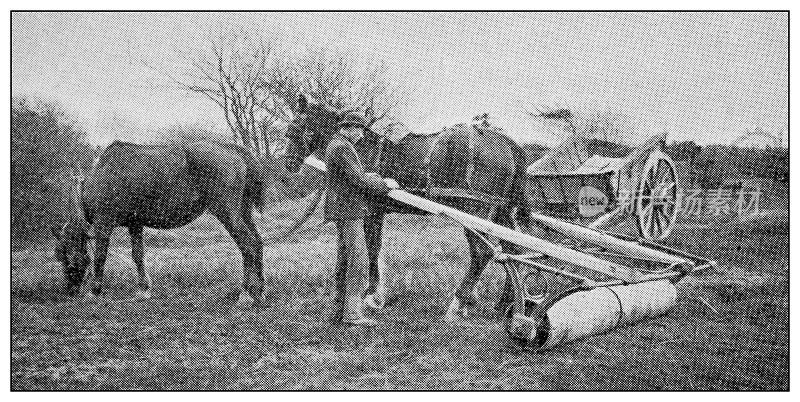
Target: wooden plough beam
x: 550, y: 249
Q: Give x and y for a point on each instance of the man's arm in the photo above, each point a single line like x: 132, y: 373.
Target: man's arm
x: 344, y: 158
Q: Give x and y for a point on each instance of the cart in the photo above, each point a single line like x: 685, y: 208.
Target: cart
x: 569, y: 184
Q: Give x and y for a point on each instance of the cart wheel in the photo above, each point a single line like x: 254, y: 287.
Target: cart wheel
x: 655, y: 204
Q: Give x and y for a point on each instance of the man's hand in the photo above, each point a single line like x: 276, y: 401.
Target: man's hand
x: 391, y: 183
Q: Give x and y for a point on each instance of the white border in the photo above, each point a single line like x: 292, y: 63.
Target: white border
x: 372, y: 5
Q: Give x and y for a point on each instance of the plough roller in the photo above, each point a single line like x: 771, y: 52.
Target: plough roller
x: 606, y: 279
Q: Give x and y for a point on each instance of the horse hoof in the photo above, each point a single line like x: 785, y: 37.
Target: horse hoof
x: 246, y: 301
x: 456, y: 312
x: 375, y: 301
x: 142, y: 295
x: 91, y: 297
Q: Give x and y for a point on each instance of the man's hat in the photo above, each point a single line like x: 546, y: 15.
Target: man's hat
x: 353, y: 119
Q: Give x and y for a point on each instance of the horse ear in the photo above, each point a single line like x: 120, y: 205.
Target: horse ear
x: 330, y: 108
x: 56, y: 232
x: 369, y: 114
x: 302, y: 103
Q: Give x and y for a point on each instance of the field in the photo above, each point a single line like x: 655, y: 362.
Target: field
x: 192, y: 336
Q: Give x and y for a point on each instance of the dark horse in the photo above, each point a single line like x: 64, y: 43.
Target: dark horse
x: 163, y: 187
x: 475, y: 168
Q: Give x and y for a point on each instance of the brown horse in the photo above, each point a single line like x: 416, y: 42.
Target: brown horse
x: 474, y: 168
x: 163, y: 187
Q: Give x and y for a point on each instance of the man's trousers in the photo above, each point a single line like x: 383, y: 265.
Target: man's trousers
x: 351, y: 269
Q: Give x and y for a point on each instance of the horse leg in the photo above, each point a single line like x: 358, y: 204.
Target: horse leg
x: 504, y: 217
x: 251, y: 247
x: 101, y: 240
x: 375, y: 295
x: 137, y: 252
x: 257, y: 274
x: 465, y: 297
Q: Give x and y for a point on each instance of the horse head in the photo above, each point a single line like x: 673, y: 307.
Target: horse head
x: 312, y: 129
x: 72, y: 239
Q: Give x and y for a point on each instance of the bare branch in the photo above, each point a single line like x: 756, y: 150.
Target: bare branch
x: 255, y: 85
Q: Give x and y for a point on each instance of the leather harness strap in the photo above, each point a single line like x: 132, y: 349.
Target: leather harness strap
x: 469, y: 193
x: 379, y: 156
x: 427, y: 162
x: 470, y: 158
x: 485, y: 198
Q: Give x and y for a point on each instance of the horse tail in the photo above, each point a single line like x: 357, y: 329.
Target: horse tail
x: 254, y: 176
x: 519, y: 198
x: 254, y: 182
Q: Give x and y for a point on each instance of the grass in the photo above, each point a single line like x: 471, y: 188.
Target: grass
x: 192, y: 336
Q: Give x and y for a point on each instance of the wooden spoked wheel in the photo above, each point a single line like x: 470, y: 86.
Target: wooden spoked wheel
x: 655, y: 201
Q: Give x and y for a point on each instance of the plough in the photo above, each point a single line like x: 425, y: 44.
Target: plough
x: 608, y: 280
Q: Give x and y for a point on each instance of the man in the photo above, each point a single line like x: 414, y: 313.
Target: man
x: 345, y: 204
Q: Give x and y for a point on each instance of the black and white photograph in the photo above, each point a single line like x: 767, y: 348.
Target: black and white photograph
x: 399, y: 200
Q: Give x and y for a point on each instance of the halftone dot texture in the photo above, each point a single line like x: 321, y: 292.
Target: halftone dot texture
x: 492, y: 113
x: 701, y: 76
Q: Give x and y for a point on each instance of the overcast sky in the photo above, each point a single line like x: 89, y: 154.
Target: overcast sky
x: 706, y: 76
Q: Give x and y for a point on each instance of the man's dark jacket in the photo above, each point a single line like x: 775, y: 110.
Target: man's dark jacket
x: 347, y: 183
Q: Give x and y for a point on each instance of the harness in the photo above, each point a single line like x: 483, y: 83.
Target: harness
x: 469, y: 192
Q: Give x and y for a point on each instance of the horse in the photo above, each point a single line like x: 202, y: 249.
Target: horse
x: 474, y: 168
x: 163, y: 187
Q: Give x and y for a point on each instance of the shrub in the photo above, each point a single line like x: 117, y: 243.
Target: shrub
x: 45, y: 147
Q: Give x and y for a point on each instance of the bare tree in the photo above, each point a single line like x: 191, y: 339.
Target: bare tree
x: 341, y: 81
x: 255, y: 84
x: 233, y: 73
